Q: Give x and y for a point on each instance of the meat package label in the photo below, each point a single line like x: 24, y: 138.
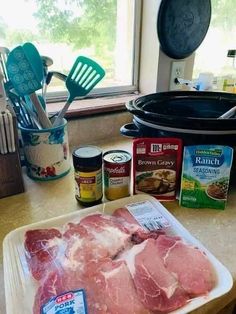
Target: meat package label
x: 148, y: 216
x: 72, y: 302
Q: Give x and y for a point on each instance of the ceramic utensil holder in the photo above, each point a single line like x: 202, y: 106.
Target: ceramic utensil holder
x: 46, y: 152
x: 11, y: 180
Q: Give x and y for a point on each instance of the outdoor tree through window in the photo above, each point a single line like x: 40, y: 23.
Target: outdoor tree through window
x: 63, y: 29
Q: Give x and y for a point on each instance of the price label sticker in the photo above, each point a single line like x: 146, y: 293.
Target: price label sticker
x: 148, y: 216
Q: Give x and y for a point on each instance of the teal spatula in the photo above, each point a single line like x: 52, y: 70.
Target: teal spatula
x: 83, y: 76
x: 33, y: 56
x: 26, y: 80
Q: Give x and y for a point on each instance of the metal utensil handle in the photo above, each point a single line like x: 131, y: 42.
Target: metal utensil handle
x: 31, y: 113
x: 61, y: 114
x: 228, y: 113
x: 59, y: 75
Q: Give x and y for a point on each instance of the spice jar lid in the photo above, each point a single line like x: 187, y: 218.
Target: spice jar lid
x: 87, y: 156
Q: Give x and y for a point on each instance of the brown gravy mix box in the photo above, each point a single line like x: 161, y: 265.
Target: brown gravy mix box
x: 156, y: 166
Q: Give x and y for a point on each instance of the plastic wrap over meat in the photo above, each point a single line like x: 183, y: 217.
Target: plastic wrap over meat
x: 121, y: 266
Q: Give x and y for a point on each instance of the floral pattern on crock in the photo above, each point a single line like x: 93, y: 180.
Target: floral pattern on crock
x: 31, y: 138
x: 53, y: 137
x: 46, y: 153
x: 51, y: 171
x: 56, y: 136
x: 42, y: 172
x: 65, y: 150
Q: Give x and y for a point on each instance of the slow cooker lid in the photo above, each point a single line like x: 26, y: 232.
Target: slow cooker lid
x: 182, y: 26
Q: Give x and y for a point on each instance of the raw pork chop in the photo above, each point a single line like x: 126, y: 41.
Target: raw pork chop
x: 96, y: 237
x: 42, y: 247
x: 109, y: 290
x: 188, y: 264
x: 157, y: 288
x: 115, y: 291
x: 139, y: 234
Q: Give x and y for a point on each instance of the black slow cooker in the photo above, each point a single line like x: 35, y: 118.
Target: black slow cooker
x: 192, y: 116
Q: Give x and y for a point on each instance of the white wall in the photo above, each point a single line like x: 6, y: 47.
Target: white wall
x: 149, y: 50
x: 164, y: 70
x: 155, y: 66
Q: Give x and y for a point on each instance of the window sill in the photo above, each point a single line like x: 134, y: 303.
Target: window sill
x: 89, y: 107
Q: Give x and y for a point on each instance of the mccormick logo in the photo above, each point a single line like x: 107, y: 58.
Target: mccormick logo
x: 156, y: 148
x: 65, y: 297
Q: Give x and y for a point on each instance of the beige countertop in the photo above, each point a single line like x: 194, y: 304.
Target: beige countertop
x: 216, y: 229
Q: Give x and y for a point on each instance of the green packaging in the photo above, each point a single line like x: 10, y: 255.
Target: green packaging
x: 205, y: 176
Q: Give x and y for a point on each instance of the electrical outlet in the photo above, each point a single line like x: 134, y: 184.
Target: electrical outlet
x: 177, y: 70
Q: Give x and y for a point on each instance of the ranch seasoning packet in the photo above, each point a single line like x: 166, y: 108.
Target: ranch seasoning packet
x: 205, y: 176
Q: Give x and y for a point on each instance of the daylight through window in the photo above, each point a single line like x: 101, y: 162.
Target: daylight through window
x: 211, y: 56
x: 63, y: 29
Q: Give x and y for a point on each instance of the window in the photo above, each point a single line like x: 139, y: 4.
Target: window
x: 211, y: 56
x: 104, y: 30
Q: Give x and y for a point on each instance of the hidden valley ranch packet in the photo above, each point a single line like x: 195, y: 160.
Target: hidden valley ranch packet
x: 205, y: 176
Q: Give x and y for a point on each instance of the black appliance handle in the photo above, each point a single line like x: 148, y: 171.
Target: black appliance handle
x: 133, y: 109
x: 130, y: 130
x: 59, y: 75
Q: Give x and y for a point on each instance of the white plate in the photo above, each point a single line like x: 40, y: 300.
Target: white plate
x: 20, y: 288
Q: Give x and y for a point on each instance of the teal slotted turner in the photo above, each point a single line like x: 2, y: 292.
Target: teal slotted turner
x: 83, y: 76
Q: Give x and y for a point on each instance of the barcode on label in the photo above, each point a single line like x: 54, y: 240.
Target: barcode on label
x: 148, y: 216
x: 152, y: 225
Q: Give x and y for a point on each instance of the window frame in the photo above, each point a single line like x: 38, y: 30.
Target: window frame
x: 58, y: 96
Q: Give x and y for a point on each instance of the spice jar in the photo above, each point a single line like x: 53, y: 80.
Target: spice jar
x: 87, y: 162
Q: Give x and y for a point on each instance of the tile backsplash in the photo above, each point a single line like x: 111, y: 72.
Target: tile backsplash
x: 93, y: 129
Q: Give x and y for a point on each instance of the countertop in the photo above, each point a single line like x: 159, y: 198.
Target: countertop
x: 216, y: 229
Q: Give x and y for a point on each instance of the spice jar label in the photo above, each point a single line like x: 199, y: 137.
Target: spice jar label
x: 88, y: 185
x: 87, y: 162
x: 205, y: 176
